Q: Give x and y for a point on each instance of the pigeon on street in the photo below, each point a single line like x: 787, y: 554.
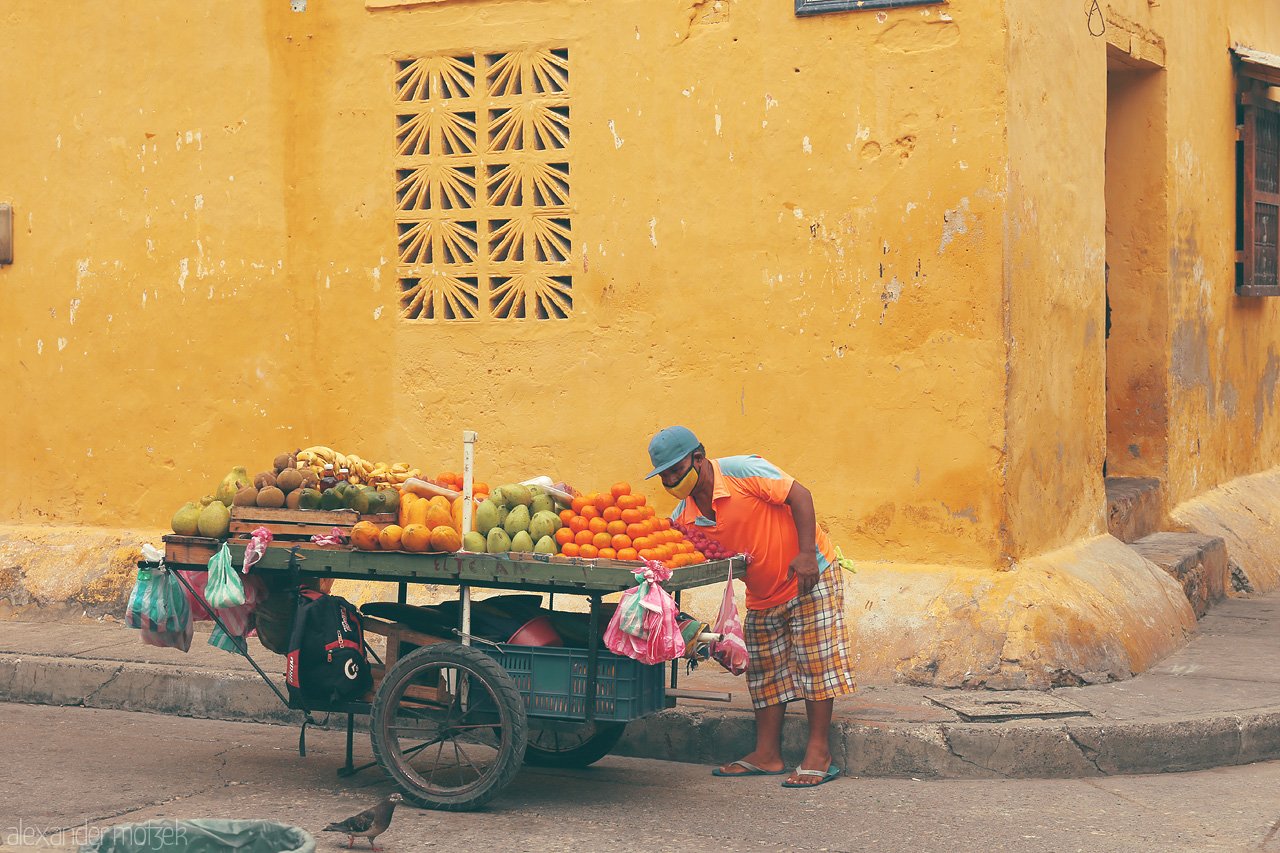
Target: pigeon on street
x: 369, y: 824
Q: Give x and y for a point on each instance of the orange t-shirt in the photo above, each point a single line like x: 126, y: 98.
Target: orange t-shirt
x: 752, y: 517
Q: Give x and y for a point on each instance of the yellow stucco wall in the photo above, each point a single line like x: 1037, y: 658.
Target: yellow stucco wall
x: 869, y: 246
x: 786, y: 235
x: 1225, y: 350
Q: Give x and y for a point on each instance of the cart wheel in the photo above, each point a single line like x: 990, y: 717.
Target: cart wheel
x: 448, y: 726
x: 579, y: 748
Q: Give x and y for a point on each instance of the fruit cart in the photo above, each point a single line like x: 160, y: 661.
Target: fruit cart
x: 451, y: 719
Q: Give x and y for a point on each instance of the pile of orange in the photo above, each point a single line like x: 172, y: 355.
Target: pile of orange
x: 450, y: 480
x: 619, y: 525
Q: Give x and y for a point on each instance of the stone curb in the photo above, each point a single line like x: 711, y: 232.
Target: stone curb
x: 1078, y: 747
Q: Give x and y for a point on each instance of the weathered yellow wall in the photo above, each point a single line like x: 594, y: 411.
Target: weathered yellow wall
x: 1053, y: 274
x: 869, y: 246
x: 1225, y: 361
x: 786, y: 236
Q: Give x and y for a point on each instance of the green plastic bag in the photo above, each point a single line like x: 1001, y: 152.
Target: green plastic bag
x: 158, y: 602
x: 202, y: 836
x: 224, y: 588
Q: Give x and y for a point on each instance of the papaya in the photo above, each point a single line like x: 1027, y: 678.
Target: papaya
x: 365, y: 535
x: 437, y: 517
x: 416, y: 537
x: 445, y: 538
x: 407, y: 500
x: 390, y: 536
x: 418, y: 512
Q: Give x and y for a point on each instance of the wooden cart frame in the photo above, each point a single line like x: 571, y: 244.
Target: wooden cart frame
x: 448, y: 723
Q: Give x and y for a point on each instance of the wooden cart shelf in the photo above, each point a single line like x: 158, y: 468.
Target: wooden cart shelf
x: 554, y: 574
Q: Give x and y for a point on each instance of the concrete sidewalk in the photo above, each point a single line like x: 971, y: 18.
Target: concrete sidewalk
x: 1215, y: 702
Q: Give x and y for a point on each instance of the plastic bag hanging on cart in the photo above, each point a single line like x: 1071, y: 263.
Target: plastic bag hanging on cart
x: 223, y: 588
x: 731, y: 650
x: 157, y: 601
x: 645, y: 627
x: 158, y: 609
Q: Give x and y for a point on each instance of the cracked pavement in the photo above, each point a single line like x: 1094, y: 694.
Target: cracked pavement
x: 71, y: 770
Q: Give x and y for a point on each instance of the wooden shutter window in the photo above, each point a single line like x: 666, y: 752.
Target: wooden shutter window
x: 1260, y: 222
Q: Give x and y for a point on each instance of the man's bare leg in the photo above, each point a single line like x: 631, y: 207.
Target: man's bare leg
x: 817, y: 754
x: 768, y: 752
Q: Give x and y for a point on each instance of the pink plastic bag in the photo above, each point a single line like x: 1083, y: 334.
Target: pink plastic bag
x: 238, y: 619
x: 645, y: 625
x: 731, y: 651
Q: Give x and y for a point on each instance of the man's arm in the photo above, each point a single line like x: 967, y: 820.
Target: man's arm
x: 805, y: 565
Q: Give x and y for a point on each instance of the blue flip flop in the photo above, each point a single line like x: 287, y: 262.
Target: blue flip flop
x: 832, y: 772
x: 749, y: 769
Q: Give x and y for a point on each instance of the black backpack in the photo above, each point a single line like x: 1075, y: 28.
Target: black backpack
x: 326, y: 661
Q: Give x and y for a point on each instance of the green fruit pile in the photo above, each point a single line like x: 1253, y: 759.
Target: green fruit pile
x: 285, y: 486
x: 515, y: 517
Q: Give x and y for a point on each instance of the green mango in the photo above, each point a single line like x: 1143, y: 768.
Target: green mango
x: 309, y: 498
x: 497, y: 542
x: 487, y: 515
x: 514, y: 494
x: 522, y: 541
x: 377, y: 503
x: 390, y: 499
x: 356, y: 499
x: 542, y: 503
x: 546, y: 545
x: 331, y: 499
x: 475, y: 542
x: 517, y: 520
x: 542, y: 524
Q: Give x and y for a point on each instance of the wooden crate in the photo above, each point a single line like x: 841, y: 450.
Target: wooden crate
x: 190, y: 549
x: 299, y: 524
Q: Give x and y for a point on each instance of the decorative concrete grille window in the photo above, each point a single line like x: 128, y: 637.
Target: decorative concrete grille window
x: 1258, y: 198
x: 818, y: 7
x: 483, y: 212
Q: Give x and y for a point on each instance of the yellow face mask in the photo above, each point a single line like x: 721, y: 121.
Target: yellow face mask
x: 686, y: 484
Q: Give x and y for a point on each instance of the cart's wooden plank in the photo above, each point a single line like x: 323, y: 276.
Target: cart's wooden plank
x: 331, y: 517
x: 291, y: 529
x: 572, y: 575
x: 190, y: 549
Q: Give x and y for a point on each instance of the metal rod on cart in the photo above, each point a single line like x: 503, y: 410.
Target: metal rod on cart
x: 674, y: 664
x: 468, y: 466
x: 593, y: 655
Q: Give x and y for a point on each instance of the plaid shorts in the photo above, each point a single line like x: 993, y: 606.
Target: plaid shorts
x: 797, y: 649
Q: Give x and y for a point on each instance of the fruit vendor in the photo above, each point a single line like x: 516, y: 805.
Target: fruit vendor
x: 794, y: 628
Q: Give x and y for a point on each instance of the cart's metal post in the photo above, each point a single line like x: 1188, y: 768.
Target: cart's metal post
x: 402, y: 592
x: 675, y: 663
x: 351, y: 730
x: 593, y: 654
x: 468, y: 466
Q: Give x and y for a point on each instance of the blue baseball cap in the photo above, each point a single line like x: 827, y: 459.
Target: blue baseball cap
x: 668, y: 447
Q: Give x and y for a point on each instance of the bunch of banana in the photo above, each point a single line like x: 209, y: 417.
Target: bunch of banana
x: 392, y: 475
x: 359, y: 471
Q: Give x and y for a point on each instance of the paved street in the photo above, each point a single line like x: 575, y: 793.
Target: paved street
x: 71, y: 768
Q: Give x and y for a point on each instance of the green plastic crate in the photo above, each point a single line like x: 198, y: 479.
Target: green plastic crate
x: 553, y: 683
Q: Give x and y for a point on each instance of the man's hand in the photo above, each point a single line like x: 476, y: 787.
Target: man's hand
x: 805, y: 569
